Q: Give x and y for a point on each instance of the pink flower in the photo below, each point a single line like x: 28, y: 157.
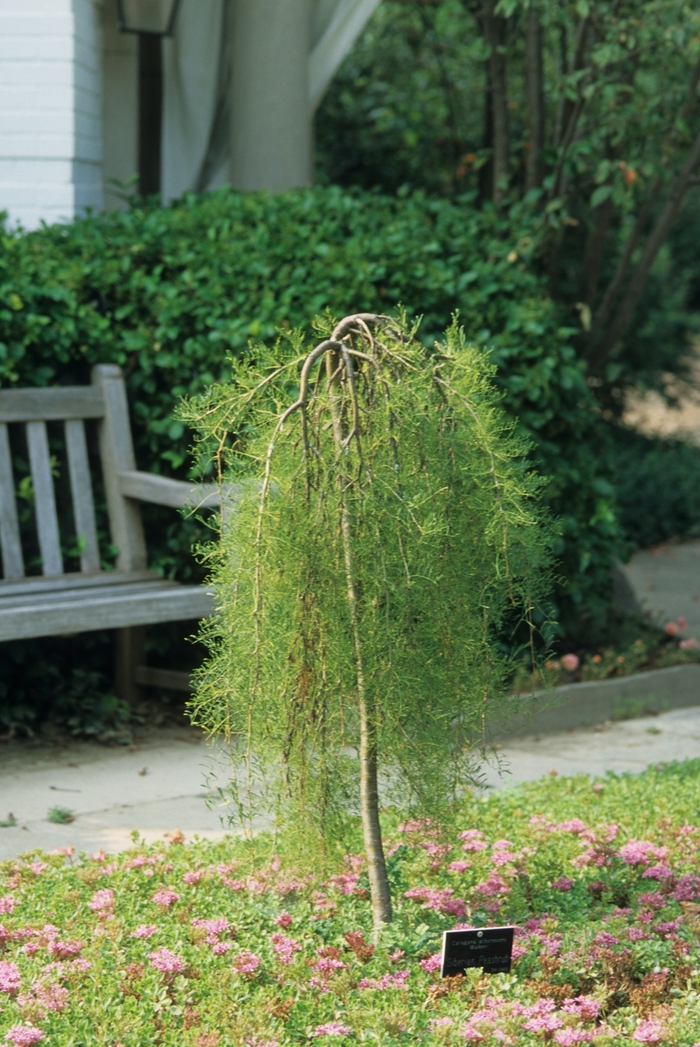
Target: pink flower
x: 245, y: 962
x: 432, y: 963
x: 564, y: 883
x: 543, y: 1023
x: 102, y: 901
x: 459, y: 867
x: 193, y: 878
x: 9, y: 976
x: 38, y: 867
x: 440, y: 1023
x: 691, y: 644
x: 285, y: 947
x: 284, y: 920
x: 346, y: 883
x: 24, y: 1035
x: 439, y: 899
x: 473, y: 840
x: 45, y: 998
x: 144, y: 930
x: 221, y: 948
x: 636, y: 934
x: 214, y: 928
x: 7, y: 904
x: 65, y: 950
x: 605, y: 939
x: 570, y: 662
x: 572, y: 825
x: 640, y: 852
x: 584, y: 1006
x: 649, y: 1031
x: 165, y: 897
x: 167, y: 962
x: 387, y: 981
x: 332, y: 1029
x: 570, y: 1037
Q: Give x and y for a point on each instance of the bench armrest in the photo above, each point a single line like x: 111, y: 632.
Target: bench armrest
x: 161, y: 490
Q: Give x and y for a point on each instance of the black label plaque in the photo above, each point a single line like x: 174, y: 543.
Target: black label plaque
x: 488, y: 947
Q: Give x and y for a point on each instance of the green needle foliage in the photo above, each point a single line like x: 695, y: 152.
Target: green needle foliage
x: 383, y: 533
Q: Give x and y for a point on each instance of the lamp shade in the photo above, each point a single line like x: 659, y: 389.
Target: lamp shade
x: 156, y: 17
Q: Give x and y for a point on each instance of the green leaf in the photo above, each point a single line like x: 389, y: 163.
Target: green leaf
x: 600, y: 195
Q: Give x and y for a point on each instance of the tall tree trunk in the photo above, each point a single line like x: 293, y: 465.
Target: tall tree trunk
x: 662, y: 227
x: 595, y: 251
x: 369, y: 786
x: 495, y: 36
x: 535, y: 101
x: 486, y: 172
x: 620, y: 275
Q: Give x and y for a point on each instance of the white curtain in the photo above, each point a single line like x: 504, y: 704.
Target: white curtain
x: 192, y: 72
x: 196, y: 76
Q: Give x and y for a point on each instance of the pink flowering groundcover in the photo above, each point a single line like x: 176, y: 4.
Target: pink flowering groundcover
x: 209, y: 944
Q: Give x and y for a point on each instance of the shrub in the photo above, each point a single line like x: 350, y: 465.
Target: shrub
x: 168, y: 293
x: 657, y: 484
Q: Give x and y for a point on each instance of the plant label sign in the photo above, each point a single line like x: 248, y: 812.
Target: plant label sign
x: 490, y: 948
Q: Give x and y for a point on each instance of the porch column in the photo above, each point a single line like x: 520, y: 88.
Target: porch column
x: 271, y: 128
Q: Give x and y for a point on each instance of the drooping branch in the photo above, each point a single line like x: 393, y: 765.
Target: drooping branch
x: 338, y: 351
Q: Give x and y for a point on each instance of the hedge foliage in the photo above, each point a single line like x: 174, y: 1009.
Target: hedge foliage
x: 169, y: 293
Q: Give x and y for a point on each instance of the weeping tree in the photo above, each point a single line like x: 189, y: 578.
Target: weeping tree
x: 381, y: 537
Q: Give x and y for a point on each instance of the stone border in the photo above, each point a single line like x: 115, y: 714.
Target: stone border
x: 588, y: 704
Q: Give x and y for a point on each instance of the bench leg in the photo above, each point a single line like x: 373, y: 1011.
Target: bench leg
x: 129, y: 650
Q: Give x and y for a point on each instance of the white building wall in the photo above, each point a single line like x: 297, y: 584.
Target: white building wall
x: 50, y: 109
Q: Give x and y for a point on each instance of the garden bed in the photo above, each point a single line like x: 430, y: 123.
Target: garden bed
x: 220, y: 944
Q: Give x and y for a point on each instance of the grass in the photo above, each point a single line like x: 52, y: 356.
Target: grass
x: 216, y: 944
x: 60, y: 815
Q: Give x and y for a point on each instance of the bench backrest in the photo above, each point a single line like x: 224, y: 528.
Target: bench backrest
x: 103, y: 400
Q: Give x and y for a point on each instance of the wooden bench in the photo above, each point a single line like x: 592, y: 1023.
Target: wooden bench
x: 125, y: 599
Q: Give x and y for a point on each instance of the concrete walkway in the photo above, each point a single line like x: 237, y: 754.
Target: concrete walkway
x: 158, y: 784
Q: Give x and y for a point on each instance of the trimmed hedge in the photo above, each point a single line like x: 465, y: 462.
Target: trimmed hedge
x: 168, y: 293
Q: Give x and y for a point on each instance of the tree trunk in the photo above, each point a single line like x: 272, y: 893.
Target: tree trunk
x: 495, y: 35
x: 614, y: 287
x: 486, y: 172
x: 600, y: 352
x: 535, y: 101
x: 369, y: 787
x: 595, y: 251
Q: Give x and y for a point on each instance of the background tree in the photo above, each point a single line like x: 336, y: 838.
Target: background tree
x: 386, y: 533
x: 589, y: 109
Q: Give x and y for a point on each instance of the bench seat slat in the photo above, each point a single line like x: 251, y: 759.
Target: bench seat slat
x: 10, y: 542
x: 37, y: 584
x: 51, y: 405
x: 81, y: 491
x: 44, y: 499
x: 114, y: 608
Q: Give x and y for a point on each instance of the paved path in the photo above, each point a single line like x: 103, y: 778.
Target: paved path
x: 666, y: 581
x: 155, y: 786
x: 159, y: 784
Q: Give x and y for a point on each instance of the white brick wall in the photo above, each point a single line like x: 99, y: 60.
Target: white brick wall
x: 50, y: 109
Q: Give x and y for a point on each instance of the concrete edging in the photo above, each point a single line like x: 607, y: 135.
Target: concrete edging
x: 588, y: 704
